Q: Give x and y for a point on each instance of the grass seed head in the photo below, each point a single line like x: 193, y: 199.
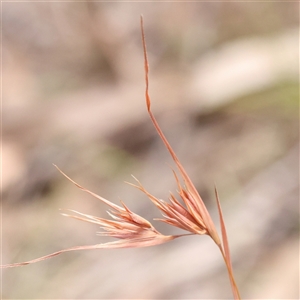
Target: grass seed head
x: 132, y: 230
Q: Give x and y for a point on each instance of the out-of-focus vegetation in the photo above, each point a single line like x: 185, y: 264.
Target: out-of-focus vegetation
x: 224, y: 84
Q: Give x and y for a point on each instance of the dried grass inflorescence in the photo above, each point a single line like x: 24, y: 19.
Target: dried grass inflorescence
x: 132, y: 230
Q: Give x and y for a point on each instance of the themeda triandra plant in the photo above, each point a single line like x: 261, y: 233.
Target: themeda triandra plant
x: 132, y: 230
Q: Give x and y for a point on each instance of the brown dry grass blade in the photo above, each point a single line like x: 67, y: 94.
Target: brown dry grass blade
x: 225, y: 250
x: 196, y: 199
x: 193, y: 195
x: 130, y: 243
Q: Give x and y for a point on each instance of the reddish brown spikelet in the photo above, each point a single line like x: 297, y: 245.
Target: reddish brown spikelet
x: 175, y: 213
x: 126, y: 225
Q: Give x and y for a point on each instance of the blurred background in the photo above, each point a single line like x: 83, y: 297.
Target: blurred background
x: 224, y: 83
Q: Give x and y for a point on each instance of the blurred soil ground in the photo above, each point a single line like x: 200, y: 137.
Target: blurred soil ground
x: 224, y: 83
